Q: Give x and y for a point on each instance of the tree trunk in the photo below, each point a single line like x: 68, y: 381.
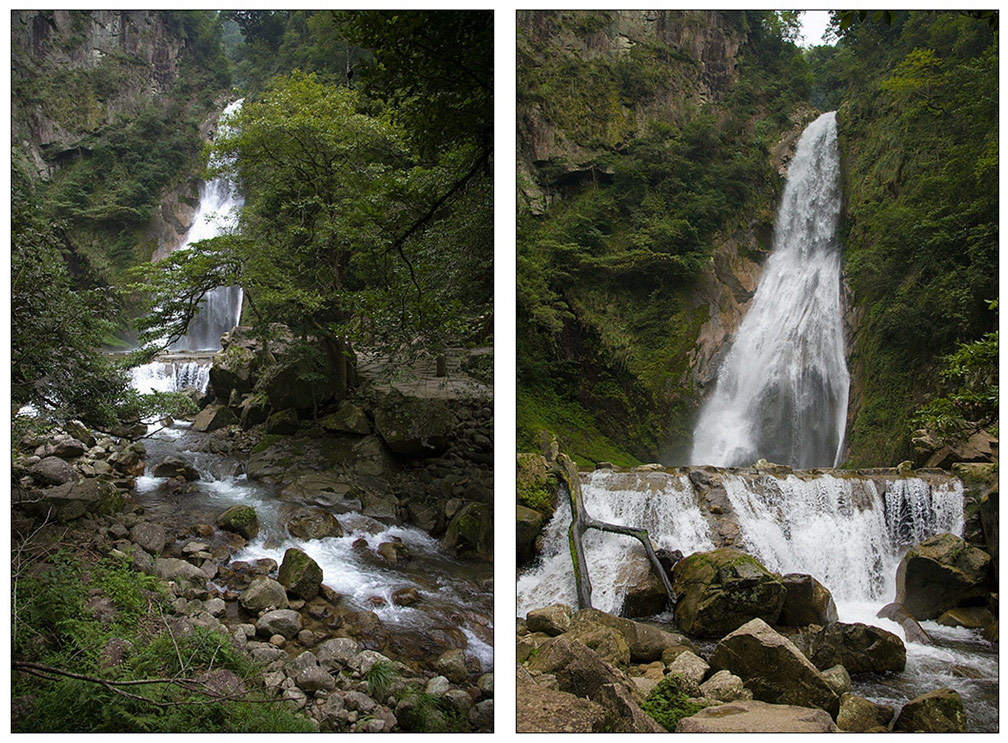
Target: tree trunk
x: 581, y: 522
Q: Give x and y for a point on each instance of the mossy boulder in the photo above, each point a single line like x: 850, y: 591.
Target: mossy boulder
x: 470, y: 531
x: 234, y: 367
x: 941, y: 573
x: 860, y: 715
x: 719, y: 591
x: 413, y: 426
x: 348, y: 418
x: 283, y: 422
x: 300, y: 574
x: 939, y: 711
x: 240, y: 520
x: 536, y: 487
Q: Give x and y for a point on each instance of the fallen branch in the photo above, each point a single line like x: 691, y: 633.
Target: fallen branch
x: 570, y: 488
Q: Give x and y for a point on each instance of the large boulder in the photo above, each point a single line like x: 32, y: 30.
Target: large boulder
x: 940, y: 573
x: 625, y: 711
x: 263, y: 593
x: 773, y: 668
x: 240, y: 520
x: 413, y: 426
x: 348, y: 418
x: 860, y: 648
x: 151, y: 537
x: 190, y: 580
x: 645, y: 592
x: 470, y: 531
x: 528, y: 525
x: 552, y: 620
x: 313, y: 522
x: 52, y: 471
x: 757, y: 717
x: 807, y: 601
x: 212, y: 417
x: 646, y: 642
x: 939, y: 711
x: 718, y: 591
x: 176, y: 467
x: 286, y: 622
x: 860, y: 715
x: 75, y: 499
x: 605, y: 641
x: 543, y: 710
x: 578, y: 669
x: 235, y: 366
x: 300, y: 574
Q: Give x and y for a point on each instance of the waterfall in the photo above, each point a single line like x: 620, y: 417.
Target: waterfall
x: 781, y: 391
x: 220, y: 309
x: 168, y: 375
x: 848, y: 532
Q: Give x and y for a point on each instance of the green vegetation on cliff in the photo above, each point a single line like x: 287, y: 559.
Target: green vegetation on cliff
x: 659, y: 157
x: 920, y: 136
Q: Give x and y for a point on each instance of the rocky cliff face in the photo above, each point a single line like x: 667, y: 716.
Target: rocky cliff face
x: 701, y: 69
x: 79, y: 70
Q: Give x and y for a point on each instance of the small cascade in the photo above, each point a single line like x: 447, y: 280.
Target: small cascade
x: 841, y: 530
x: 220, y: 309
x: 849, y: 532
x: 168, y: 375
x: 781, y: 392
x: 666, y: 506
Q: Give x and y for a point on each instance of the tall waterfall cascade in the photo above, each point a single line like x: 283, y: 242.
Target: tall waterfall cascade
x: 781, y: 391
x: 221, y: 307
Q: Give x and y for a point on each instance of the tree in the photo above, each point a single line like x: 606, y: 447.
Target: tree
x: 344, y: 233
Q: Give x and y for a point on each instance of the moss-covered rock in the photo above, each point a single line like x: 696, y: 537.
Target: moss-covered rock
x: 413, y: 426
x: 939, y: 711
x: 528, y: 525
x: 470, y: 532
x: 300, y: 574
x: 240, y: 520
x: 718, y: 591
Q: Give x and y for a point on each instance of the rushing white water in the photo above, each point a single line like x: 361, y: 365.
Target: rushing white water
x: 847, y: 532
x: 666, y: 506
x: 171, y: 376
x: 841, y: 530
x: 221, y: 307
x: 781, y: 391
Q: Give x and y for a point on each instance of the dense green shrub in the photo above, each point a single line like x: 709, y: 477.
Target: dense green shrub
x: 668, y: 702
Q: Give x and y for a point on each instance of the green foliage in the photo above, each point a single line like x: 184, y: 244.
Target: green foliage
x: 922, y: 219
x: 534, y: 495
x: 379, y: 678
x: 971, y: 375
x: 668, y: 703
x: 52, y: 626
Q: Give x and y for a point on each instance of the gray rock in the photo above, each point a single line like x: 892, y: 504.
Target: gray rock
x: 939, y: 711
x: 725, y: 686
x: 458, y: 700
x: 691, y: 666
x: 300, y: 574
x: 153, y: 538
x: 481, y: 715
x: 860, y: 715
x: 190, y: 580
x: 315, y: 679
x: 336, y: 653
x: 314, y: 523
x: 757, y: 717
x: 553, y: 620
x: 263, y: 593
x: 437, y: 686
x: 286, y: 622
x: 176, y: 467
x: 52, y: 471
x: 240, y: 520
x: 773, y: 668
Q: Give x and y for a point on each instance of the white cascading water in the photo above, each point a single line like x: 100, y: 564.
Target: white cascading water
x: 843, y: 531
x: 171, y: 376
x: 665, y: 506
x: 221, y: 307
x: 781, y: 391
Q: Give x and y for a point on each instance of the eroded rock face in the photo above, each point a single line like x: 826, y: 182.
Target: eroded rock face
x: 773, y: 668
x: 718, y: 591
x: 939, y: 574
x: 757, y: 717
